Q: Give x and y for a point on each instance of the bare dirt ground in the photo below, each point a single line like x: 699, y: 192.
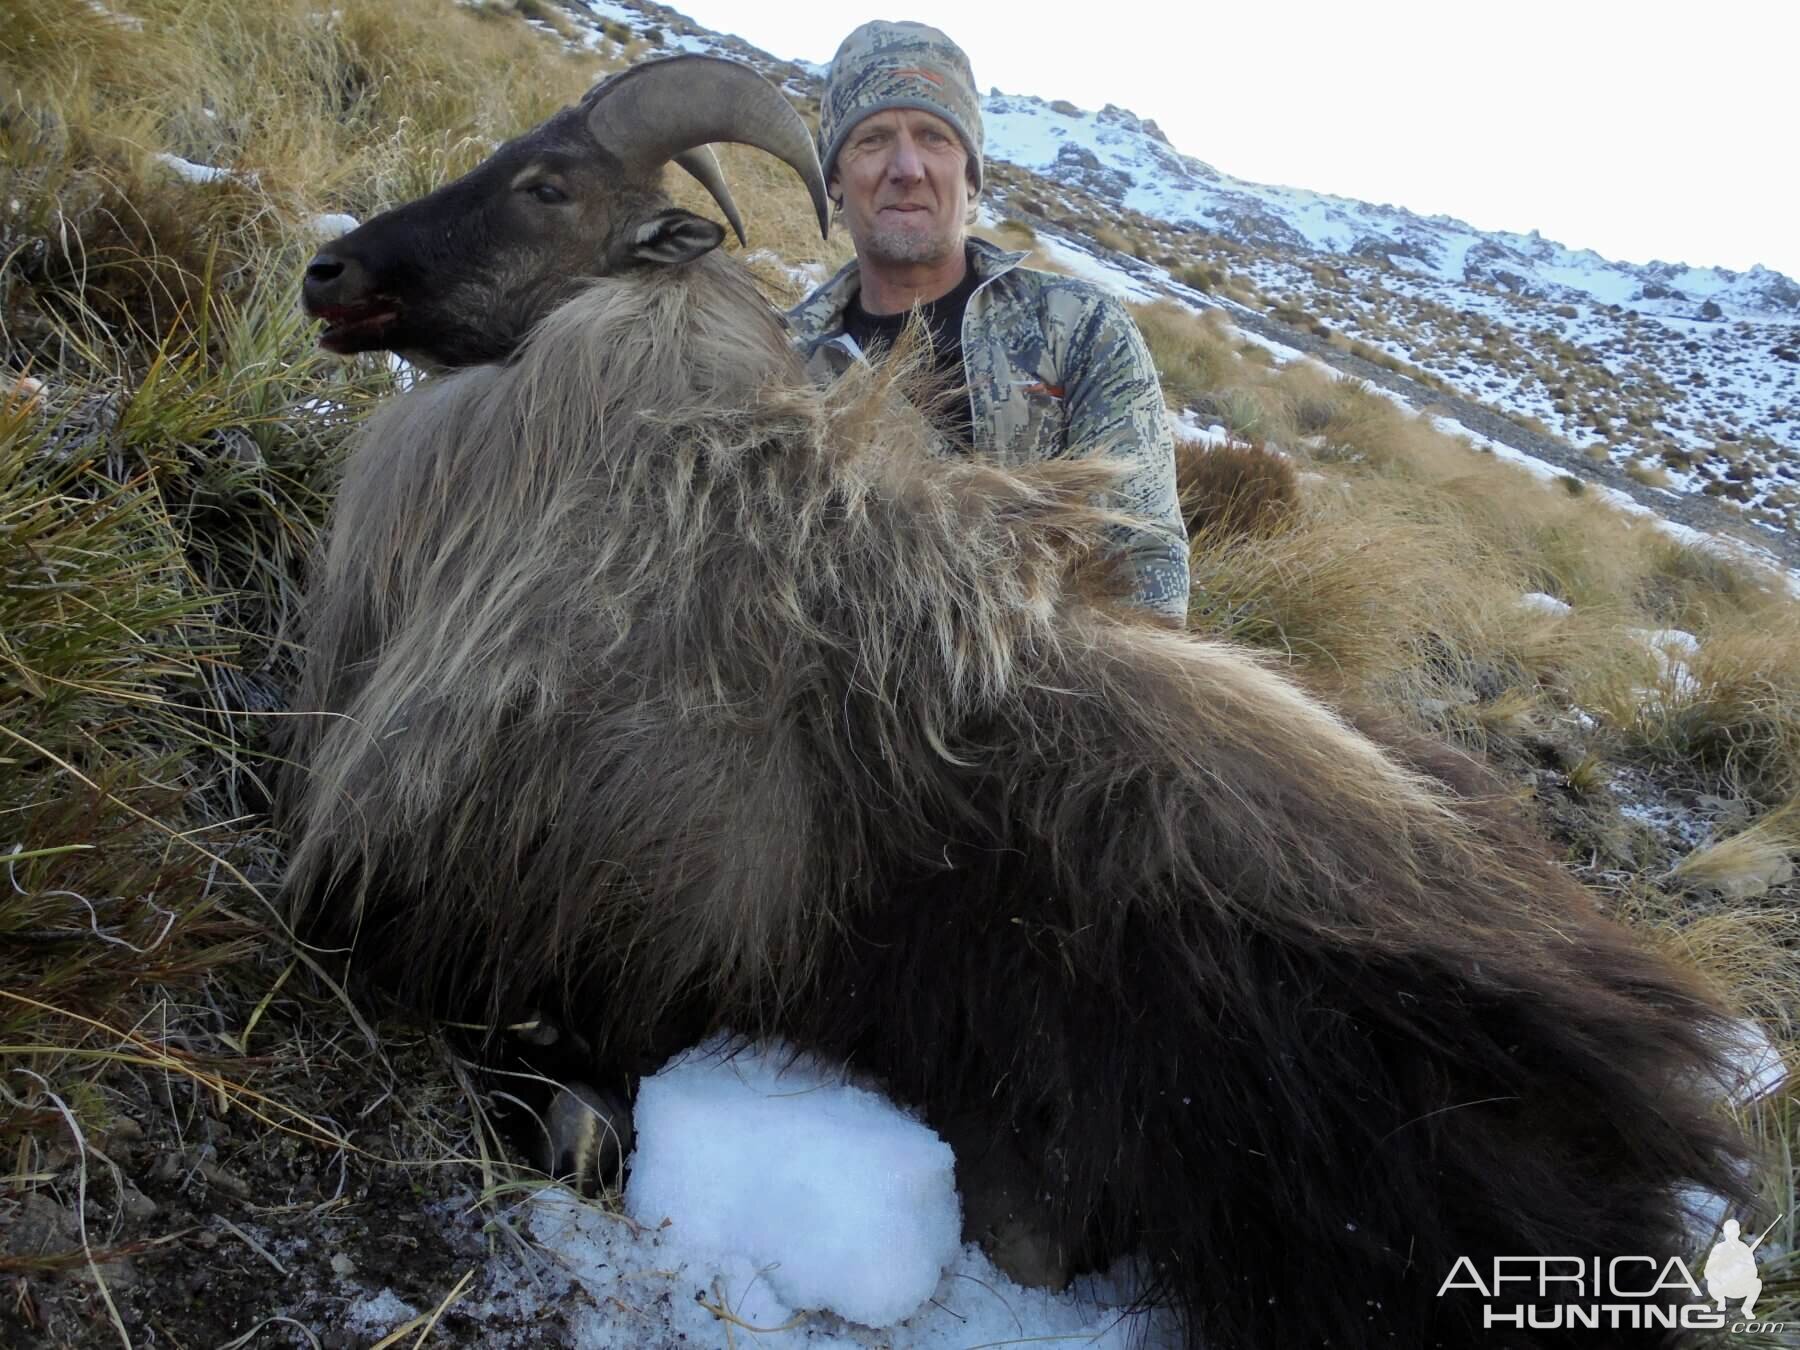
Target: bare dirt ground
x: 209, y: 1229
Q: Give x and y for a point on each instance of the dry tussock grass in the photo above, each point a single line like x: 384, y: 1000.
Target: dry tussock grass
x: 1407, y: 579
x: 1193, y: 356
x: 1016, y: 236
x: 161, y: 491
x: 1748, y: 864
x: 1735, y: 714
x: 1690, y: 587
x: 1347, y: 592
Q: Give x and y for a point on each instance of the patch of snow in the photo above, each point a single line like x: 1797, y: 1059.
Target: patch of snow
x: 808, y: 276
x: 192, y: 172
x: 1756, y: 1069
x: 1088, y: 267
x: 1641, y: 802
x: 331, y: 225
x: 1399, y: 400
x: 1187, y: 426
x: 646, y: 1288
x: 1756, y: 1061
x: 1670, y: 646
x: 1282, y: 353
x: 406, y: 374
x: 732, y: 1148
x: 1544, y: 604
x: 691, y: 42
x: 757, y: 1190
x: 607, y: 9
x: 1669, y: 639
x: 127, y: 21
x: 377, y: 1314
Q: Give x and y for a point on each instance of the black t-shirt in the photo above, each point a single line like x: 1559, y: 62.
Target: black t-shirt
x: 876, y: 333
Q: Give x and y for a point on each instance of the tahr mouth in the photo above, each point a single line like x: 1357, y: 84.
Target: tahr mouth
x: 356, y: 328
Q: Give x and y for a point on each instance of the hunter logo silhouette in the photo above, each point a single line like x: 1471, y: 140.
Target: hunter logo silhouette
x: 1730, y: 1270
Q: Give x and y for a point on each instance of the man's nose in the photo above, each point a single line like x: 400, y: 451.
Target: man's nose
x: 904, y: 167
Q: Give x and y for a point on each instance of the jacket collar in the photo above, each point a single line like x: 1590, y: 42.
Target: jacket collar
x: 821, y: 315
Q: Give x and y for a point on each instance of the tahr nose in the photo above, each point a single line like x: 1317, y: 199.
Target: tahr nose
x: 333, y: 280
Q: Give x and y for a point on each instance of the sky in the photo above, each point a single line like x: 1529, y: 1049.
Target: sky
x: 1639, y: 130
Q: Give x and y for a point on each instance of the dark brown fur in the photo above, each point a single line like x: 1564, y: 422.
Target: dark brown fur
x: 1230, y: 491
x: 665, y: 690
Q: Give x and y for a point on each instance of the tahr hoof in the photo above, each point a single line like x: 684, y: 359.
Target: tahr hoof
x: 1004, y: 1209
x: 590, y: 1136
x: 1026, y: 1254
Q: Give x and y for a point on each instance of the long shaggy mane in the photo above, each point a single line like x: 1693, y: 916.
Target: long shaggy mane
x: 652, y: 684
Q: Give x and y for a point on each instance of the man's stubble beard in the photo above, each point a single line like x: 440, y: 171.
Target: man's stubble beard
x: 907, y: 246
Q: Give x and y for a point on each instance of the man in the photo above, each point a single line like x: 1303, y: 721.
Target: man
x: 1054, y: 366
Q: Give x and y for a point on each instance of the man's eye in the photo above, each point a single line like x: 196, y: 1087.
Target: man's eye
x: 547, y: 193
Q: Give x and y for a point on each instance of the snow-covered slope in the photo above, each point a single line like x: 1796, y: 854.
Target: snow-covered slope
x: 1123, y: 159
x: 1689, y: 375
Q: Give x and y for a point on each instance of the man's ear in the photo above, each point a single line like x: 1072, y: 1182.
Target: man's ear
x: 666, y: 238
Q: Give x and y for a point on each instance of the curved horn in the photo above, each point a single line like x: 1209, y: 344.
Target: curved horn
x: 652, y: 112
x: 704, y: 165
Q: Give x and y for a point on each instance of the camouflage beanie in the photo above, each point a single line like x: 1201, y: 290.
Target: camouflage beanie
x: 899, y: 65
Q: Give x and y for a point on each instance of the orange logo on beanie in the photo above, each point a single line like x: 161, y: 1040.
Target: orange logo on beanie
x: 922, y: 73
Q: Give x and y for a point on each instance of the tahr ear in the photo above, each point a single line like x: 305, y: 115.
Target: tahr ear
x: 666, y: 238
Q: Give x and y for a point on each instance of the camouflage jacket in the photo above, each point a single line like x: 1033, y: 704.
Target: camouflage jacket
x: 1055, y: 366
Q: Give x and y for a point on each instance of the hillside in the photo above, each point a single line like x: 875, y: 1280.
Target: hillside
x: 1528, y: 502
x: 1677, y: 380
x: 1687, y: 378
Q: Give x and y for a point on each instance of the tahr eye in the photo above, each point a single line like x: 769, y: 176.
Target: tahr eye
x: 547, y: 193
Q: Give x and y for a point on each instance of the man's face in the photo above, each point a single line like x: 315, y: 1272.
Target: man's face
x: 903, y: 178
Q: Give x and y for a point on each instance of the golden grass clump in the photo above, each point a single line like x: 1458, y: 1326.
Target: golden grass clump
x: 1309, y: 400
x: 1347, y: 592
x: 155, y: 524
x: 100, y: 625
x: 1013, y: 235
x: 1685, y: 585
x: 349, y: 109
x: 1749, y: 863
x: 1647, y: 473
x: 1192, y: 355
x: 1729, y: 710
